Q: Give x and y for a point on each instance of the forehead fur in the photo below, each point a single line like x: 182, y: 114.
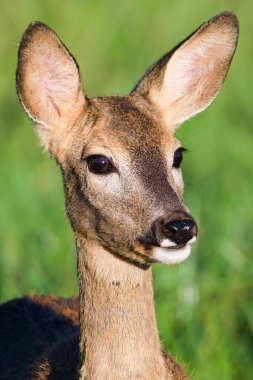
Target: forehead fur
x: 132, y: 122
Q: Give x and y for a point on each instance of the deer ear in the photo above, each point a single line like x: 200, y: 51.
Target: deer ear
x: 187, y: 79
x: 48, y: 82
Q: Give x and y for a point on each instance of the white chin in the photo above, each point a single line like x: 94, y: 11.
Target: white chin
x: 171, y: 256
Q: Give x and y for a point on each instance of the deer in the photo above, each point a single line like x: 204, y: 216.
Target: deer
x: 120, y: 164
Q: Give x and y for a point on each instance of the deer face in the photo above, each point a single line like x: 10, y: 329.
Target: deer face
x: 119, y: 157
x: 125, y: 181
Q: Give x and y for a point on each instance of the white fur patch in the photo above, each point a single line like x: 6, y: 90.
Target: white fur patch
x: 193, y: 239
x: 171, y: 256
x: 166, y: 243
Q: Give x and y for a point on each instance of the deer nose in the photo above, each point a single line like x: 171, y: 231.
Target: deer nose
x: 179, y: 231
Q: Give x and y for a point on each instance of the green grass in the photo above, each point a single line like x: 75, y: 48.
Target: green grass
x: 204, y: 306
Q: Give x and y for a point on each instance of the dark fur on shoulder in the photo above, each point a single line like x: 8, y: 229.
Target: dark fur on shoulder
x: 32, y: 330
x: 62, y: 361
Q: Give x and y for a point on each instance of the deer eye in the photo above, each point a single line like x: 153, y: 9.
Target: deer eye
x: 178, y: 157
x: 99, y: 164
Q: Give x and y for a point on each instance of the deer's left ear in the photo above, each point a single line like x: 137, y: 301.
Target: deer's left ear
x: 187, y: 79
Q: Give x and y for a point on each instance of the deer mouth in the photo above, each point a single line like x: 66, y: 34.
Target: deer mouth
x: 172, y: 255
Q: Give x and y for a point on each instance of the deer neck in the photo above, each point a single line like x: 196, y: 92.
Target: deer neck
x: 119, y: 337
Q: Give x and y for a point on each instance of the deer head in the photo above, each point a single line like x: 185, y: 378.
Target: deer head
x: 119, y: 157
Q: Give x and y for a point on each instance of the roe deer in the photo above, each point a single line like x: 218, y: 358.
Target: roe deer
x: 123, y: 185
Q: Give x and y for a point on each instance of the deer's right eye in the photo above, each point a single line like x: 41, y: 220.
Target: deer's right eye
x: 99, y: 164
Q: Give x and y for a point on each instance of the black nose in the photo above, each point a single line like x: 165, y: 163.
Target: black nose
x: 179, y: 231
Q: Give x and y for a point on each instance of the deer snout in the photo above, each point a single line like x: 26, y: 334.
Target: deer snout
x: 169, y: 239
x: 177, y: 232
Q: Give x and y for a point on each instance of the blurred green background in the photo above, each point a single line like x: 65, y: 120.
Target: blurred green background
x: 204, y: 306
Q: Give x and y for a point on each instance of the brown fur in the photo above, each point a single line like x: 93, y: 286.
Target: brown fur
x: 67, y: 308
x: 119, y: 218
